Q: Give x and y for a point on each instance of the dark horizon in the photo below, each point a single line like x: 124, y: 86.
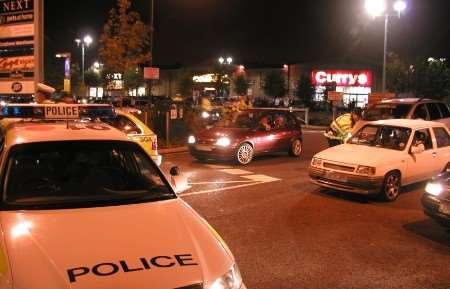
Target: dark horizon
x: 259, y: 31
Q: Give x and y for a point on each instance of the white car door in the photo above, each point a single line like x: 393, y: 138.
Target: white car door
x: 421, y: 166
x: 441, y: 140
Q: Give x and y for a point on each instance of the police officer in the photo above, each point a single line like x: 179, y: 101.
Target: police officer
x: 341, y: 127
x: 43, y: 93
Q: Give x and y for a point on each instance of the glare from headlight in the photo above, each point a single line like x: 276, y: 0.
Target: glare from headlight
x: 434, y: 189
x: 364, y: 170
x: 223, y: 142
x: 230, y: 280
x: 205, y: 114
x: 191, y: 139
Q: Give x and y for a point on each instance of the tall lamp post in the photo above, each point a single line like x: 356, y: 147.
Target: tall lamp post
x: 378, y: 8
x: 86, y: 42
x: 224, y: 61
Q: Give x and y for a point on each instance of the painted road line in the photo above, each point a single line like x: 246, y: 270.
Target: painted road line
x: 261, y: 178
x: 314, y: 131
x: 236, y: 172
x: 217, y: 167
x: 220, y: 182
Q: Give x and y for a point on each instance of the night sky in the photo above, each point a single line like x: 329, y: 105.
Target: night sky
x: 198, y: 31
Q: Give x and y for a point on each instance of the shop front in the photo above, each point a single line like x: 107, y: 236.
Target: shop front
x: 356, y: 85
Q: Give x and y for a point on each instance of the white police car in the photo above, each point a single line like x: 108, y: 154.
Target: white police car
x: 85, y: 207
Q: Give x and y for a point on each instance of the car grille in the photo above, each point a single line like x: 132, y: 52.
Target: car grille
x: 339, y: 167
x: 195, y: 286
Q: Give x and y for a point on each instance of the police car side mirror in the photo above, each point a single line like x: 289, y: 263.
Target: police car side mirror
x: 178, y: 180
x: 175, y: 171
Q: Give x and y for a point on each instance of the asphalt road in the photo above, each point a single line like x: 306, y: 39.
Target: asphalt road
x: 287, y: 233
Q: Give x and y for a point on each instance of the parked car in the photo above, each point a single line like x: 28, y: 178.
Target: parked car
x: 240, y: 136
x: 436, y: 199
x: 383, y: 156
x: 407, y: 108
x: 127, y: 122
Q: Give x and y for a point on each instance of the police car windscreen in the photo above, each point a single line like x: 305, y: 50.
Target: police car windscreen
x: 387, y: 111
x: 82, y: 174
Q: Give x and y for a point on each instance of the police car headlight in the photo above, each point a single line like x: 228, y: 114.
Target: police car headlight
x: 364, y: 170
x: 434, y: 189
x: 223, y: 142
x: 205, y: 114
x: 191, y: 139
x: 230, y: 280
x: 316, y: 162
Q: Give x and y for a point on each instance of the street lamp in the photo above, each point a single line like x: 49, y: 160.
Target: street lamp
x: 226, y: 61
x: 377, y: 8
x: 86, y: 42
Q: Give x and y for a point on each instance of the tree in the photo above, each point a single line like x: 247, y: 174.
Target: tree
x: 431, y: 78
x: 93, y: 78
x: 240, y: 84
x: 305, y: 90
x: 125, y: 42
x: 274, y: 85
x: 398, y: 74
x: 133, y: 79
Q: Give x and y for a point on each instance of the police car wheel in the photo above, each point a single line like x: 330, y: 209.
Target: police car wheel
x: 244, y: 154
x: 296, y: 148
x: 391, y: 186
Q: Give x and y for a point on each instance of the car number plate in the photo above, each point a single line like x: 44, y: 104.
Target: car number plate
x: 444, y: 209
x: 336, y: 176
x: 62, y: 112
x: 205, y: 148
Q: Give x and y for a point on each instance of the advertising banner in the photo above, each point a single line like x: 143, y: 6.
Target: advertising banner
x: 361, y: 78
x: 20, y: 48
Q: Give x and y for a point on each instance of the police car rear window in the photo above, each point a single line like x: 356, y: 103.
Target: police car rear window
x: 81, y: 174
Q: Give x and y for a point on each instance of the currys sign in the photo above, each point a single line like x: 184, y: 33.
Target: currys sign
x: 342, y: 77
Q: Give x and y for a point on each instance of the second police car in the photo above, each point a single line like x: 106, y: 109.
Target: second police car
x: 383, y: 156
x: 85, y: 207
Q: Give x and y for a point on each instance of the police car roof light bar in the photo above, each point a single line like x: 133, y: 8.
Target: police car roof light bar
x: 57, y: 111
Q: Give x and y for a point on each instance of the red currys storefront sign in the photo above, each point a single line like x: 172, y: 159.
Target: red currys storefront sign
x: 362, y: 78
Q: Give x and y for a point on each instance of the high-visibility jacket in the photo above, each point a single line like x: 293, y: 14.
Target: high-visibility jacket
x: 340, y: 128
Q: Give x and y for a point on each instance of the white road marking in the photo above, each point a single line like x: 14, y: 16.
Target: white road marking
x: 261, y: 178
x: 217, y: 167
x: 220, y: 182
x: 236, y: 172
x: 314, y: 131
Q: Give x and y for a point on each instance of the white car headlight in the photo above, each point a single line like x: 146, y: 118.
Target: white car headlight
x: 191, y: 139
x: 205, y: 114
x: 434, y: 189
x: 230, y: 280
x: 223, y: 142
x: 316, y: 162
x: 364, y: 170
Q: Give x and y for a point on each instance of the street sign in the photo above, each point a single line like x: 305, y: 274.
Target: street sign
x: 335, y: 96
x: 151, y: 73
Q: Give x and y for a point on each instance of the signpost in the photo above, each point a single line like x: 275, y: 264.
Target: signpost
x: 21, y: 59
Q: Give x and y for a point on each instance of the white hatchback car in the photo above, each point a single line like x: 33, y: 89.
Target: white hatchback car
x: 383, y: 156
x: 85, y: 207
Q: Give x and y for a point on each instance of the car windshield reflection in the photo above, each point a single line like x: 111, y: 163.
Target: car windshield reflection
x: 388, y: 137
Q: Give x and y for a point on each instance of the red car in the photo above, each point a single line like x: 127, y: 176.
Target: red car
x: 243, y: 135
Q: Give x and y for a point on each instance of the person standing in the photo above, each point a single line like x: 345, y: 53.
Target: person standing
x: 341, y: 128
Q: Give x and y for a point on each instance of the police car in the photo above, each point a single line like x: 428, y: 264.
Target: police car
x: 85, y: 207
x: 127, y: 122
x: 383, y: 156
